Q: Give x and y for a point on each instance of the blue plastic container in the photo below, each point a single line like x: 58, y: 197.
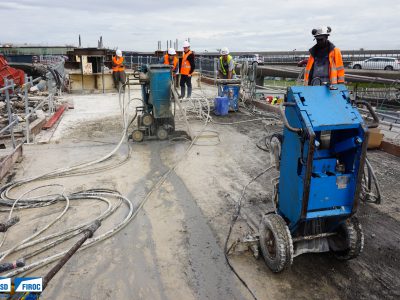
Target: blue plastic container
x: 221, y: 106
x: 232, y: 93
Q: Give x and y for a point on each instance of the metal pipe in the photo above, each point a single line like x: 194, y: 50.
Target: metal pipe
x: 37, y: 107
x: 215, y: 69
x: 50, y: 98
x: 285, y: 120
x: 14, y: 122
x: 81, y: 72
x: 27, y: 107
x: 102, y: 71
x: 10, y: 119
x: 87, y: 233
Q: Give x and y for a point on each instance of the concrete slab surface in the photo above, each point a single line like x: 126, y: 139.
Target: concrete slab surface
x: 173, y: 249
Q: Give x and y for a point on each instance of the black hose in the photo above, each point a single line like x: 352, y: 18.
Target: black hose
x: 234, y: 219
x: 56, y: 78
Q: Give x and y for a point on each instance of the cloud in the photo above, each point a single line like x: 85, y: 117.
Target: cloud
x: 252, y: 25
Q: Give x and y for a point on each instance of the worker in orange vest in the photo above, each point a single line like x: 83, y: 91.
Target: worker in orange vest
x: 187, y: 68
x: 325, y: 64
x: 118, y: 68
x: 170, y: 59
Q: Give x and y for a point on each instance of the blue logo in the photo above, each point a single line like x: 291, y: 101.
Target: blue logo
x: 28, y: 284
x: 5, y: 285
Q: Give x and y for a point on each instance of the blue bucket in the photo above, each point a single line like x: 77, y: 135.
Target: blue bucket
x: 221, y: 106
x: 232, y: 92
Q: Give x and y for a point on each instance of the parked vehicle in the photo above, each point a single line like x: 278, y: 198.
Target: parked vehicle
x: 249, y: 58
x: 377, y: 63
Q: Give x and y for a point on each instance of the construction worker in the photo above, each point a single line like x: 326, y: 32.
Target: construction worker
x: 226, y: 65
x: 325, y: 64
x: 187, y: 68
x: 170, y: 59
x: 118, y: 68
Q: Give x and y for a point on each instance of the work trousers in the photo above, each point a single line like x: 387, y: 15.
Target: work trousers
x: 185, y: 79
x: 119, y: 78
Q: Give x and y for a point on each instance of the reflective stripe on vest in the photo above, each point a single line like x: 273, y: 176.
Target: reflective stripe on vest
x: 185, y: 68
x: 118, y: 64
x: 229, y: 58
x: 174, y: 62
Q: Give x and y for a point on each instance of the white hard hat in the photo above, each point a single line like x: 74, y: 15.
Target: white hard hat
x: 225, y: 51
x: 118, y: 53
x: 186, y: 44
x: 323, y: 30
x: 171, y: 51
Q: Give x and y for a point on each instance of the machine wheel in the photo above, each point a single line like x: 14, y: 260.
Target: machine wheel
x: 357, y: 67
x: 348, y: 243
x: 162, y: 133
x: 276, y: 243
x: 275, y: 145
x: 137, y: 136
x: 389, y: 68
x: 147, y: 119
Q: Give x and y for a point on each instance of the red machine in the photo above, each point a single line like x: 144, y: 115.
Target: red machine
x: 18, y: 76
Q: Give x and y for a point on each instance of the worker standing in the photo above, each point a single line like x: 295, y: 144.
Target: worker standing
x: 325, y: 64
x: 118, y: 68
x: 226, y: 65
x: 187, y: 68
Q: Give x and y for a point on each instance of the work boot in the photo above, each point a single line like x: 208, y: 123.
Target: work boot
x: 189, y: 92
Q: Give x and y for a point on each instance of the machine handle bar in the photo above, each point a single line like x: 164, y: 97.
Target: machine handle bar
x: 285, y: 120
x: 375, y: 124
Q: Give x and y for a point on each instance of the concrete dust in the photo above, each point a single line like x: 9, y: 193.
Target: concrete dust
x: 173, y: 249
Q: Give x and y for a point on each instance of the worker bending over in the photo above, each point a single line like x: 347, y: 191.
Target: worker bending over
x: 187, y: 68
x: 118, y: 68
x: 226, y: 65
x: 325, y: 64
x: 170, y: 59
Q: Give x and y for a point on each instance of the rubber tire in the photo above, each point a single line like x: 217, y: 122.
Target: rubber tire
x: 350, y: 233
x: 388, y: 68
x: 358, y: 67
x: 147, y: 119
x: 273, y: 225
x: 137, y: 136
x: 162, y: 133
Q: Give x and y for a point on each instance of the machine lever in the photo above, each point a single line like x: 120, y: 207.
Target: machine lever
x: 285, y: 121
x: 371, y: 110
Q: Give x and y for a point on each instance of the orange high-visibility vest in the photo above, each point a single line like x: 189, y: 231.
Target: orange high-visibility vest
x: 174, y: 62
x: 336, y: 68
x: 118, y: 64
x: 185, y: 68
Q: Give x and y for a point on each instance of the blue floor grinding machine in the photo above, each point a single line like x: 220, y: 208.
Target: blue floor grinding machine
x: 321, y: 164
x: 155, y: 118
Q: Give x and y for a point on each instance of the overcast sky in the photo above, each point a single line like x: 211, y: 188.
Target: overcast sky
x: 240, y: 25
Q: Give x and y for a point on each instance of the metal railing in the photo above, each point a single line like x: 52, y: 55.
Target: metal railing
x: 10, y: 89
x: 377, y: 58
x: 12, y: 119
x: 134, y: 62
x: 207, y: 66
